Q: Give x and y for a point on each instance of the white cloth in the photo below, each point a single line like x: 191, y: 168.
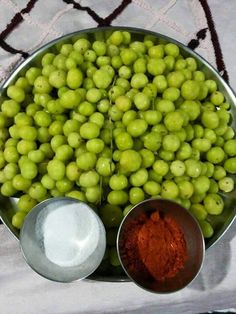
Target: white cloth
x: 24, y: 292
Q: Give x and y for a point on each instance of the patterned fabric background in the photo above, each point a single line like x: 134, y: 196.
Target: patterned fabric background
x: 207, y: 26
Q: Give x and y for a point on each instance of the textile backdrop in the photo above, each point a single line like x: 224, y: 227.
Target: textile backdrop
x: 209, y: 28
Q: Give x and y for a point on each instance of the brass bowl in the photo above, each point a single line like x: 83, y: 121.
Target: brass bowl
x: 220, y: 223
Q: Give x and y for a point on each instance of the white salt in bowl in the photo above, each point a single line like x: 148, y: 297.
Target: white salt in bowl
x: 63, y: 239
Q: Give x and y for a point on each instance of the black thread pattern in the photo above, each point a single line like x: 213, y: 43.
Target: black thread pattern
x: 201, y: 35
x: 15, y: 21
x: 101, y: 21
x: 215, y: 40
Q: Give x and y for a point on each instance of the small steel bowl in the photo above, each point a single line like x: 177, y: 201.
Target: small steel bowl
x: 193, y: 237
x: 32, y: 241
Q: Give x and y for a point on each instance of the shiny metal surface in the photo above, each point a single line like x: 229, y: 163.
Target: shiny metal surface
x: 193, y: 237
x: 220, y: 223
x: 32, y: 243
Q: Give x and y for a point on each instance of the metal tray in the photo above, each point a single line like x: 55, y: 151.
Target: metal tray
x: 222, y: 222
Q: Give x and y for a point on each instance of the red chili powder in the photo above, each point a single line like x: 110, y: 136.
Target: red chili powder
x: 154, y: 246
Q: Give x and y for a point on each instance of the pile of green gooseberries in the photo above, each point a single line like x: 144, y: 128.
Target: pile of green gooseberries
x: 113, y: 120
